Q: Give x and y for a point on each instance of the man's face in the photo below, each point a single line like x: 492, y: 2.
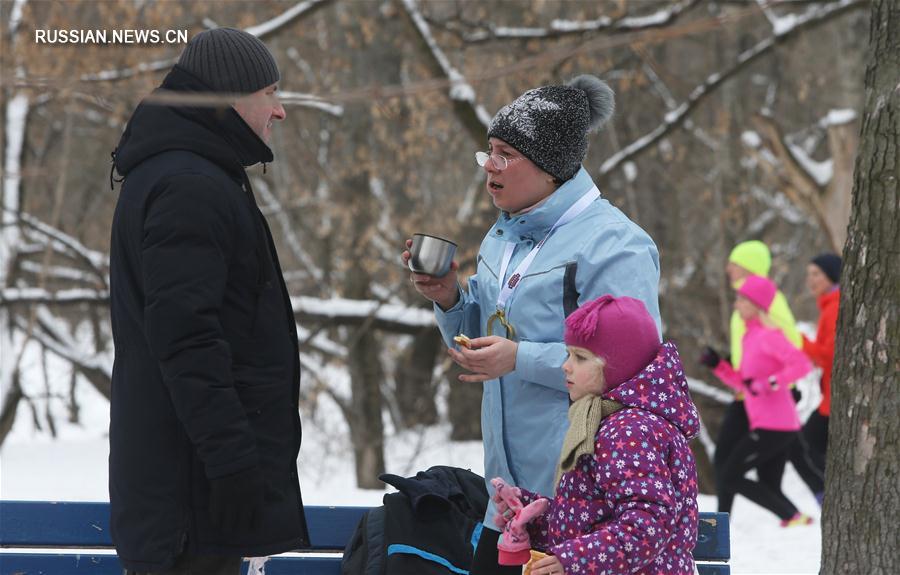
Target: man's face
x: 260, y: 109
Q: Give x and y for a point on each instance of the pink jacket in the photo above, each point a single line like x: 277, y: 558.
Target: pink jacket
x: 767, y: 353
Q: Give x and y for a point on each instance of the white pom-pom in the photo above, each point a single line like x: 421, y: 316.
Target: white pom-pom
x: 601, y: 98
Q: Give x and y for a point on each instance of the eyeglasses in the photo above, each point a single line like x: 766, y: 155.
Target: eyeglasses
x: 499, y: 162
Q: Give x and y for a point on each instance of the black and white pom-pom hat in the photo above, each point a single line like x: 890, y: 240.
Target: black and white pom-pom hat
x: 549, y: 125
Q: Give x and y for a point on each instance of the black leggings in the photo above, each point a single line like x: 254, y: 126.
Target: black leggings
x: 486, y: 560
x: 808, y: 454
x: 733, y: 428
x: 766, y: 451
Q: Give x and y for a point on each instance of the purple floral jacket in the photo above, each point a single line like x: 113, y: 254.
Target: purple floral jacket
x: 632, y: 506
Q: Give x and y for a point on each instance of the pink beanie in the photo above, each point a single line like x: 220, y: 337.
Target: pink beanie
x: 618, y: 329
x: 759, y: 290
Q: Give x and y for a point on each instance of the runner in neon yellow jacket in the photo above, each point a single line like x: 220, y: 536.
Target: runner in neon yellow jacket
x: 753, y: 258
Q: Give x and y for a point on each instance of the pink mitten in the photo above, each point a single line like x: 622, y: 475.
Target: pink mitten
x: 507, y: 500
x: 514, y: 545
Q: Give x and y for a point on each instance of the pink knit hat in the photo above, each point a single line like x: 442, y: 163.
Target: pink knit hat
x: 618, y: 329
x: 759, y: 290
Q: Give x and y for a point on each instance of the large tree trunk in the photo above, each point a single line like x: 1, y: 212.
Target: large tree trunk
x: 416, y: 388
x: 862, y: 494
x: 464, y: 406
x: 366, y: 372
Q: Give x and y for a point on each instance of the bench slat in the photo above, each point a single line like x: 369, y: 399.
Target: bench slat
x: 41, y: 564
x: 86, y: 525
x: 713, y: 537
x: 80, y: 524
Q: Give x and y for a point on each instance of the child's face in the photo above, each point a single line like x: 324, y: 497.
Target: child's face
x: 584, y: 373
x: 745, y: 308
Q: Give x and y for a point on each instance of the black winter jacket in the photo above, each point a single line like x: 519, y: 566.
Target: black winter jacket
x: 206, y: 375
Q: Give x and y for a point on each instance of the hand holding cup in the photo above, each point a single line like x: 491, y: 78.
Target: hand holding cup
x: 430, y: 260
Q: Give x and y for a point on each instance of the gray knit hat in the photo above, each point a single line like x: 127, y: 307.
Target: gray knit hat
x: 230, y: 60
x: 549, y: 125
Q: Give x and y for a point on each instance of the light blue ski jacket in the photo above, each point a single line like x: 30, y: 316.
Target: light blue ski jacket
x: 524, y: 414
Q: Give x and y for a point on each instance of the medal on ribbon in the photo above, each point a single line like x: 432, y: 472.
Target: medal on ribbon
x: 501, y: 316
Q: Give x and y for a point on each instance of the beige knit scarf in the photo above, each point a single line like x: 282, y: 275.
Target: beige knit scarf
x: 585, y: 416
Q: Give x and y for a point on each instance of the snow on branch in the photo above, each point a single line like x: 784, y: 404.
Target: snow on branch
x: 460, y: 89
x: 674, y: 118
x: 99, y: 261
x: 299, y: 9
x: 259, y: 30
x: 707, y: 441
x: 287, y: 229
x: 30, y: 295
x: 310, y: 101
x: 561, y: 27
x: 58, y: 272
x: 95, y: 368
x: 820, y: 172
x: 839, y: 116
x: 131, y: 71
x: 388, y: 317
x: 710, y: 391
x: 15, y: 17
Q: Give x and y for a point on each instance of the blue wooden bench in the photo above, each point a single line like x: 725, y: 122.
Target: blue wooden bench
x: 68, y: 538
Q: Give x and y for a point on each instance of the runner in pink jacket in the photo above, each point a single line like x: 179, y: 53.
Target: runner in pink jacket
x: 770, y: 363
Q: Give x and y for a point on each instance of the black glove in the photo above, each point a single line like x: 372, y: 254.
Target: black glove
x: 710, y: 357
x: 748, y: 385
x: 795, y: 393
x: 235, y: 500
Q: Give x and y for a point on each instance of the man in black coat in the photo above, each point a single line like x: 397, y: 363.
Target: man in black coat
x: 205, y: 429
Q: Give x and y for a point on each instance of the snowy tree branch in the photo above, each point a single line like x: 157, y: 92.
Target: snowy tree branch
x: 710, y: 391
x: 561, y: 27
x: 813, y: 16
x: 340, y: 311
x: 95, y: 370
x: 461, y: 92
x: 10, y: 296
x: 260, y: 30
x: 310, y: 101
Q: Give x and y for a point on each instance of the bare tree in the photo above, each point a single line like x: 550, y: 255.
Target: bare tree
x: 387, y: 102
x: 862, y: 494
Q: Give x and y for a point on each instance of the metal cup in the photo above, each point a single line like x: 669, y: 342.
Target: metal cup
x: 431, y: 255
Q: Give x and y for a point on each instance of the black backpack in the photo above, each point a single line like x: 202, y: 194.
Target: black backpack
x: 431, y: 527
x: 364, y: 554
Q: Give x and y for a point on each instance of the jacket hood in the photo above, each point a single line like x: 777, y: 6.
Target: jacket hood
x: 218, y: 134
x: 661, y: 389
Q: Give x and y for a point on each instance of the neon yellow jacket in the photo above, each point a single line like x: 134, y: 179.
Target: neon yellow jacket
x: 754, y: 256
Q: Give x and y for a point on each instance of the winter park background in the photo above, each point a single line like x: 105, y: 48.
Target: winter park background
x: 736, y: 121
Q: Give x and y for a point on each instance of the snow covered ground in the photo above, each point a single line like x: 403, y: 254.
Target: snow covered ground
x: 74, y: 469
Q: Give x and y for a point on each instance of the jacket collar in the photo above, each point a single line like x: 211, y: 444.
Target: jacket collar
x: 830, y: 298
x: 535, y: 224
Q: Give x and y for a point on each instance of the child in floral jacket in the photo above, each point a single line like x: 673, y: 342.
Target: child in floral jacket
x: 626, y: 495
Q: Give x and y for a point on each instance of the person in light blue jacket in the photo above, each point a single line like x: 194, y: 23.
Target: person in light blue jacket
x: 556, y: 244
